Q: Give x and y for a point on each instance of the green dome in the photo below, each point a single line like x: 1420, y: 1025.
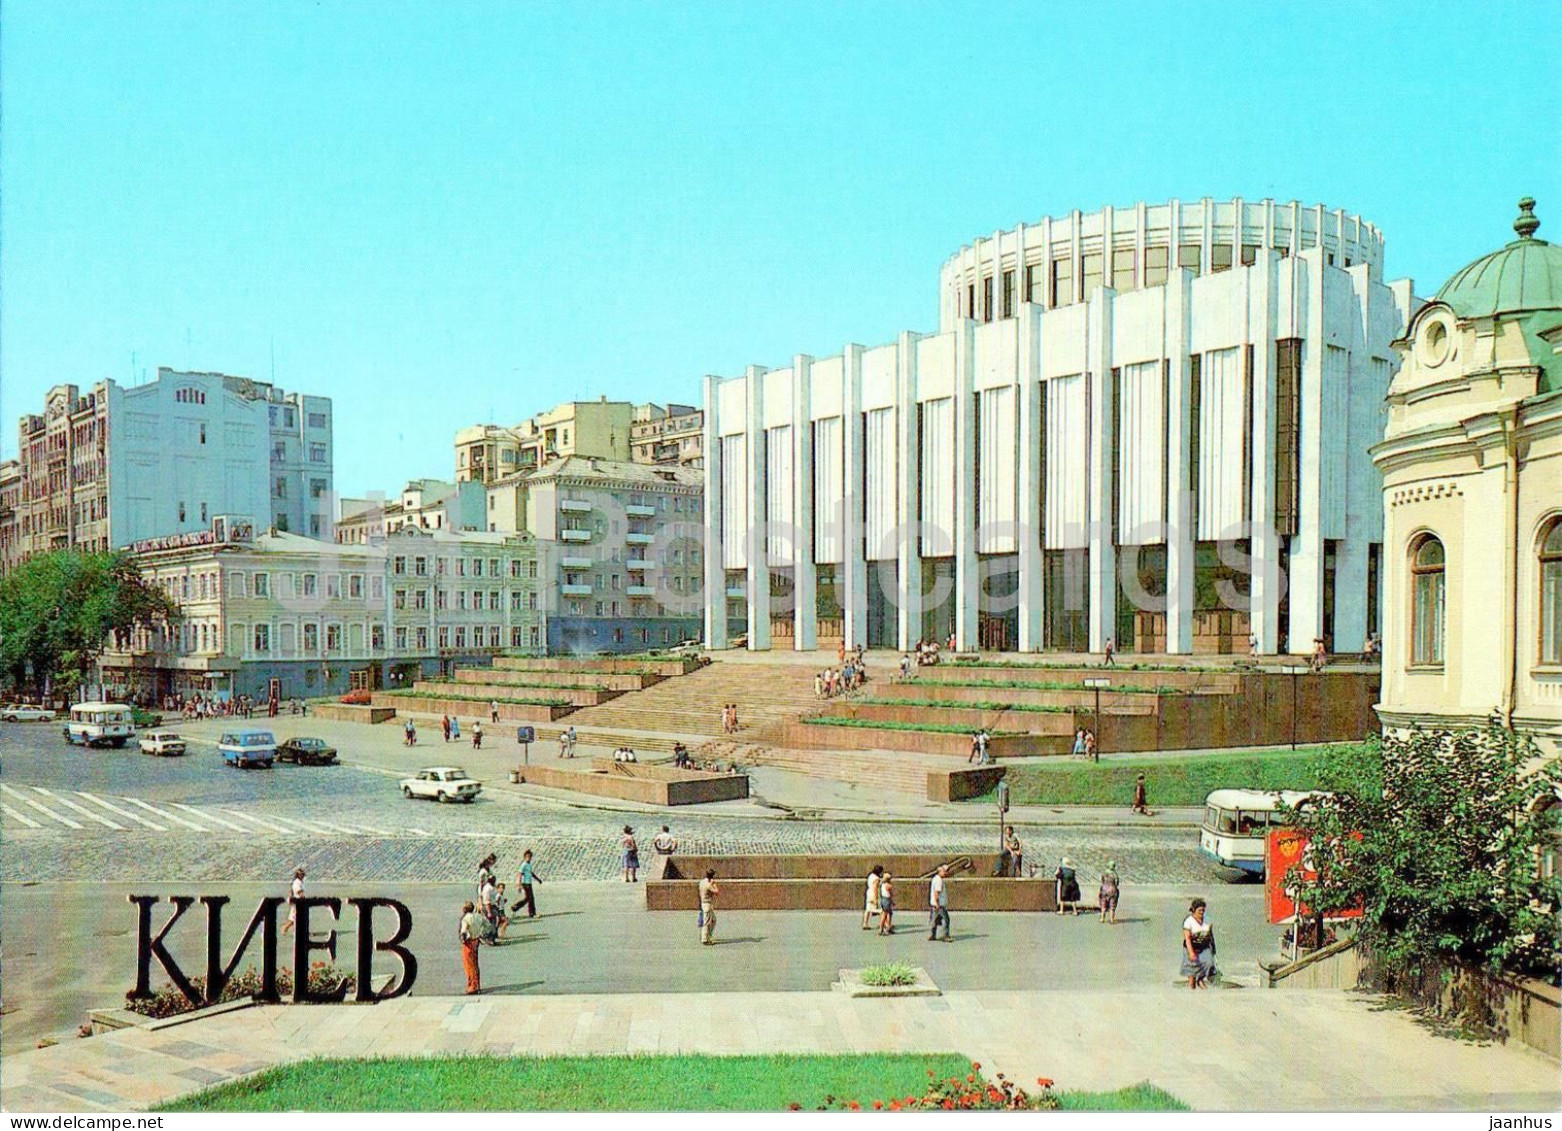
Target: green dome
x: 1526, y: 275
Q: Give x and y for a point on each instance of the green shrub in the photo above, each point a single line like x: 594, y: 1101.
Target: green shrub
x: 889, y: 974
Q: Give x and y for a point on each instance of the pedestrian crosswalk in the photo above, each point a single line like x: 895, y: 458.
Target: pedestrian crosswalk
x: 37, y: 807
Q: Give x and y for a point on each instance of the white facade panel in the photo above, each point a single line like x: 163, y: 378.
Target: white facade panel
x: 1335, y: 440
x: 1138, y: 326
x: 776, y: 408
x: 780, y: 495
x: 1219, y: 316
x: 1141, y: 444
x: 825, y: 388
x: 734, y: 501
x: 829, y: 490
x: 1222, y: 429
x: 998, y: 456
x: 878, y: 377
x: 997, y: 350
x: 1063, y: 341
x: 879, y: 465
x: 1066, y: 456
x: 936, y: 367
x: 733, y: 411
x: 938, y: 478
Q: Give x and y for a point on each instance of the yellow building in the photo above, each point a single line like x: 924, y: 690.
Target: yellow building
x: 1472, y: 496
x: 489, y: 452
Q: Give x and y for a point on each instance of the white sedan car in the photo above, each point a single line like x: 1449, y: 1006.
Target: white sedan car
x: 161, y: 743
x: 442, y: 783
x: 15, y: 714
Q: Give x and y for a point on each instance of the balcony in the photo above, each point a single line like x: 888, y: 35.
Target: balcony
x: 573, y: 534
x: 640, y: 591
x: 574, y: 506
x: 570, y: 590
x: 736, y: 592
x: 577, y: 563
x: 638, y: 510
x: 640, y: 564
x: 635, y: 538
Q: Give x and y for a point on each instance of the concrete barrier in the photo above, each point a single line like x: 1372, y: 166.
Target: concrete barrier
x: 470, y: 709
x: 638, y: 782
x: 352, y: 712
x: 590, y: 697
x: 962, y: 785
x: 819, y: 736
x: 838, y: 883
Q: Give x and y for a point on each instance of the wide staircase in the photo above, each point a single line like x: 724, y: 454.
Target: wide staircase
x: 689, y: 707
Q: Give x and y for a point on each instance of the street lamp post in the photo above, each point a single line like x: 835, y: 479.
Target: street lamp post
x: 1096, y: 683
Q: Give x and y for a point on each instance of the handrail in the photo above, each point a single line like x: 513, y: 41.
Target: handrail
x: 958, y: 864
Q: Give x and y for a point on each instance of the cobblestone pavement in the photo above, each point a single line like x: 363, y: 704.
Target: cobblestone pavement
x: 73, y: 814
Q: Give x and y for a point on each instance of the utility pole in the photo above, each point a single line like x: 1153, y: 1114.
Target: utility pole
x: 1096, y: 683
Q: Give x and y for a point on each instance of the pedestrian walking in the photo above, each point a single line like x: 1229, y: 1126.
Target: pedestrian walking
x: 1079, y: 743
x: 1110, y: 886
x: 1110, y: 659
x: 1141, y: 797
x: 631, y: 856
x: 1013, y: 853
x: 1090, y: 746
x: 525, y: 879
x: 571, y: 753
x: 455, y: 728
x: 1067, y: 888
x: 563, y: 743
x: 664, y: 844
x: 471, y: 931
x: 976, y: 747
x: 294, y: 894
x: 485, y: 873
x: 444, y: 726
x: 938, y: 903
x: 870, y: 904
x: 887, y: 905
x: 709, y: 890
x: 1198, y: 946
x: 477, y: 734
x: 493, y: 711
x: 410, y: 733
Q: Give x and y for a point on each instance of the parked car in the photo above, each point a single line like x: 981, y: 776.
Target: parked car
x: 306, y: 752
x: 16, y: 713
x: 248, y: 747
x: 442, y: 783
x: 141, y: 718
x: 358, y: 697
x: 161, y: 742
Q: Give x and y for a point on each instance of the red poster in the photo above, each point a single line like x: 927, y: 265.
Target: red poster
x: 1282, y: 849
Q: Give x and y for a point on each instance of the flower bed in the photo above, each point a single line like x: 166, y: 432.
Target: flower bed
x: 169, y: 1001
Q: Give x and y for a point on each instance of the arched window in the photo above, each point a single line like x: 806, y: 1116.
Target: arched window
x: 1551, y: 594
x: 1426, y: 602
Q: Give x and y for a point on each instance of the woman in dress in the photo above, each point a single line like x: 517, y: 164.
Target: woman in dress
x: 1110, y: 885
x: 887, y: 905
x: 1068, y: 888
x: 631, y: 856
x: 1198, y: 946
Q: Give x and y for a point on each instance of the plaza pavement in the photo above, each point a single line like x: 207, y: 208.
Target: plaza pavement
x: 1271, y: 1050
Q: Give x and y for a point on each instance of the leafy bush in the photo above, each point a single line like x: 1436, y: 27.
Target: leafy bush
x: 169, y: 1001
x: 1441, y: 838
x: 889, y: 974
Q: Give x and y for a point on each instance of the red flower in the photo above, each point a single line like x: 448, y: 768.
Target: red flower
x: 975, y: 1067
x: 1044, y: 1081
x: 878, y: 1105
x: 949, y: 1105
x: 970, y: 1079
x: 894, y: 1105
x: 794, y: 1107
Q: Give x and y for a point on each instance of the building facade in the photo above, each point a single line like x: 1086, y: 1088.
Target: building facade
x: 279, y: 614
x: 107, y: 468
x: 10, y: 500
x: 424, y: 504
x: 674, y: 435
x: 1472, y: 498
x: 1144, y: 426
x: 621, y: 544
x: 487, y: 453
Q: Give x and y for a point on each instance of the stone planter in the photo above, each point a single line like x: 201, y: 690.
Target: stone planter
x: 852, y: 985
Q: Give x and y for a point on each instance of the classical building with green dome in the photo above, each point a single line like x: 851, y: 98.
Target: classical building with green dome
x: 1472, y: 499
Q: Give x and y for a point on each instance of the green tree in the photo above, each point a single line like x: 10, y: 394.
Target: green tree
x: 1440, y: 837
x: 59, y: 610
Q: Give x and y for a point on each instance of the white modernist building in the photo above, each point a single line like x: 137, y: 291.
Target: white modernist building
x: 1146, y: 425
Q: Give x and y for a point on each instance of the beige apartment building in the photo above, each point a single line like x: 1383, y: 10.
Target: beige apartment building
x: 673, y: 435
x: 486, y: 453
x: 1472, y: 499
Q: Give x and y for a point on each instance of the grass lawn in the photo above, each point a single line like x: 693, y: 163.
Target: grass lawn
x: 1171, y: 781
x: 609, y: 1083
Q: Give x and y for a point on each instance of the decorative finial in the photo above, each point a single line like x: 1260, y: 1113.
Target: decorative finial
x: 1526, y: 224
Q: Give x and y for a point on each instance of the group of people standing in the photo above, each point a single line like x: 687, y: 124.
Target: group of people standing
x: 1085, y: 744
x: 839, y: 681
x: 450, y: 727
x: 729, y: 718
x: 981, y: 743
x: 485, y: 919
x: 879, y: 902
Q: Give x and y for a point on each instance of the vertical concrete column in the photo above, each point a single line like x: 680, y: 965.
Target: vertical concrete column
x: 1032, y: 597
x: 908, y: 468
x: 1100, y: 506
x: 1264, y: 543
x: 756, y: 536
x: 854, y: 600
x: 805, y: 574
x: 1306, y: 580
x: 1181, y: 526
x: 715, y: 574
x: 967, y: 580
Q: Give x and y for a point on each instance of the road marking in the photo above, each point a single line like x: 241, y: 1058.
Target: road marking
x: 208, y: 817
x: 306, y: 826
x: 82, y: 809
x: 420, y: 832
x: 44, y: 809
x: 258, y: 821
x: 112, y: 808
x: 166, y: 816
x: 348, y: 829
x: 15, y: 816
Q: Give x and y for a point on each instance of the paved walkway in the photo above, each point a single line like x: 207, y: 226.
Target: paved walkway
x: 1296, y: 1050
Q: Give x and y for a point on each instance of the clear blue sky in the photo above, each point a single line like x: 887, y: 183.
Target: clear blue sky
x: 448, y: 213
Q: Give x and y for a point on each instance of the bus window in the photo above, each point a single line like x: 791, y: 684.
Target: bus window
x: 1228, y: 821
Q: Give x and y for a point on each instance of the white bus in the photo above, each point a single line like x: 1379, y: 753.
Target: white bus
x: 1237, y: 822
x: 99, y: 724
